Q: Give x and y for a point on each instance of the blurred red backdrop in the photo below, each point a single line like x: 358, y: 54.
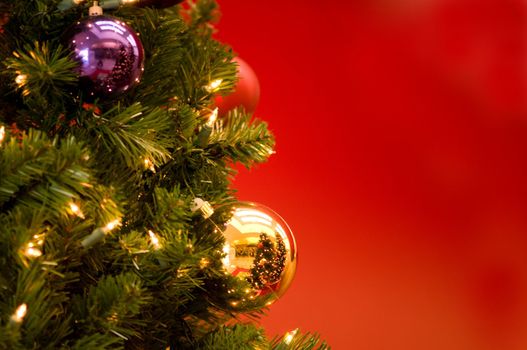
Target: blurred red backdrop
x: 401, y: 166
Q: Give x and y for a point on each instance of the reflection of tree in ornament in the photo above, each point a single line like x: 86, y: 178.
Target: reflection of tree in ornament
x: 269, y: 262
x: 123, y: 69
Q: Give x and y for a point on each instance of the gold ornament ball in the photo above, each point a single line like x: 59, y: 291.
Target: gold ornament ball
x: 259, y: 249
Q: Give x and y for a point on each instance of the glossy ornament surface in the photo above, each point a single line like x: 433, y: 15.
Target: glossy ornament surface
x: 109, y: 53
x: 260, y: 249
x: 246, y: 93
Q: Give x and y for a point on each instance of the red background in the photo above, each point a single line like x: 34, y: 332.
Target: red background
x: 401, y: 166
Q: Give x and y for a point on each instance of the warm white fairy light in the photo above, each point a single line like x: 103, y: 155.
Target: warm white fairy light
x: 31, y: 252
x: 204, y: 262
x: 149, y: 165
x: 98, y: 234
x: 213, y: 116
x: 2, y: 134
x: 288, y: 338
x: 39, y: 239
x: 76, y: 210
x: 154, y: 240
x: 21, y: 80
x: 19, y: 314
x: 31, y: 249
x: 214, y: 85
x: 111, y: 225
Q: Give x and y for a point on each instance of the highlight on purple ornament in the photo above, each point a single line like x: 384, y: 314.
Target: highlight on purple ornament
x: 109, y: 53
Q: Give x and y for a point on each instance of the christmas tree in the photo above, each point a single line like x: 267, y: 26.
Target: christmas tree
x: 114, y: 182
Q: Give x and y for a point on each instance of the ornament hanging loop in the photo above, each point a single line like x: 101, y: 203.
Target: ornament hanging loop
x: 95, y: 9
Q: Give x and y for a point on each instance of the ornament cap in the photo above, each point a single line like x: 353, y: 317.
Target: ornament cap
x: 95, y: 9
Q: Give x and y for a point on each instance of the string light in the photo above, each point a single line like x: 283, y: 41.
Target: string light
x: 21, y: 81
x: 154, y: 240
x: 212, y: 118
x: 31, y: 252
x: 204, y: 262
x: 182, y: 273
x: 19, y: 314
x: 214, y: 85
x: 98, y: 234
x: 149, y: 165
x: 288, y: 338
x: 31, y: 249
x: 39, y: 239
x: 2, y: 134
x: 76, y: 210
x: 111, y: 225
x: 113, y: 317
x: 206, y: 130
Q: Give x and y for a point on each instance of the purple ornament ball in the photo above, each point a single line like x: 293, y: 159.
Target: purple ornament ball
x: 110, y: 56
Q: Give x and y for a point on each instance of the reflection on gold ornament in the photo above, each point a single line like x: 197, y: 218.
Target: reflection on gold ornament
x: 260, y: 250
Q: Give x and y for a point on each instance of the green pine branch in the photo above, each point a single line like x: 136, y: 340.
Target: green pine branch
x: 38, y: 172
x: 299, y: 341
x: 242, y: 337
x: 43, y: 74
x: 241, y: 140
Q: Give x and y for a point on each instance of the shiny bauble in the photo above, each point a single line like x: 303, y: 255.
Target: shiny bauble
x: 260, y: 250
x: 110, y: 56
x: 246, y: 92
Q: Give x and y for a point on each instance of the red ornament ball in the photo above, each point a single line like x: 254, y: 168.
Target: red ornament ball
x: 246, y: 92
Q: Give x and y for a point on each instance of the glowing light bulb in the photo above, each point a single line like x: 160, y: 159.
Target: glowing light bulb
x: 110, y: 226
x: 76, y: 210
x: 204, y: 262
x: 21, y: 80
x: 214, y: 85
x: 212, y: 118
x: 149, y: 165
x: 20, y: 313
x: 154, y: 240
x: 288, y: 338
x: 2, y: 134
x: 33, y: 252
